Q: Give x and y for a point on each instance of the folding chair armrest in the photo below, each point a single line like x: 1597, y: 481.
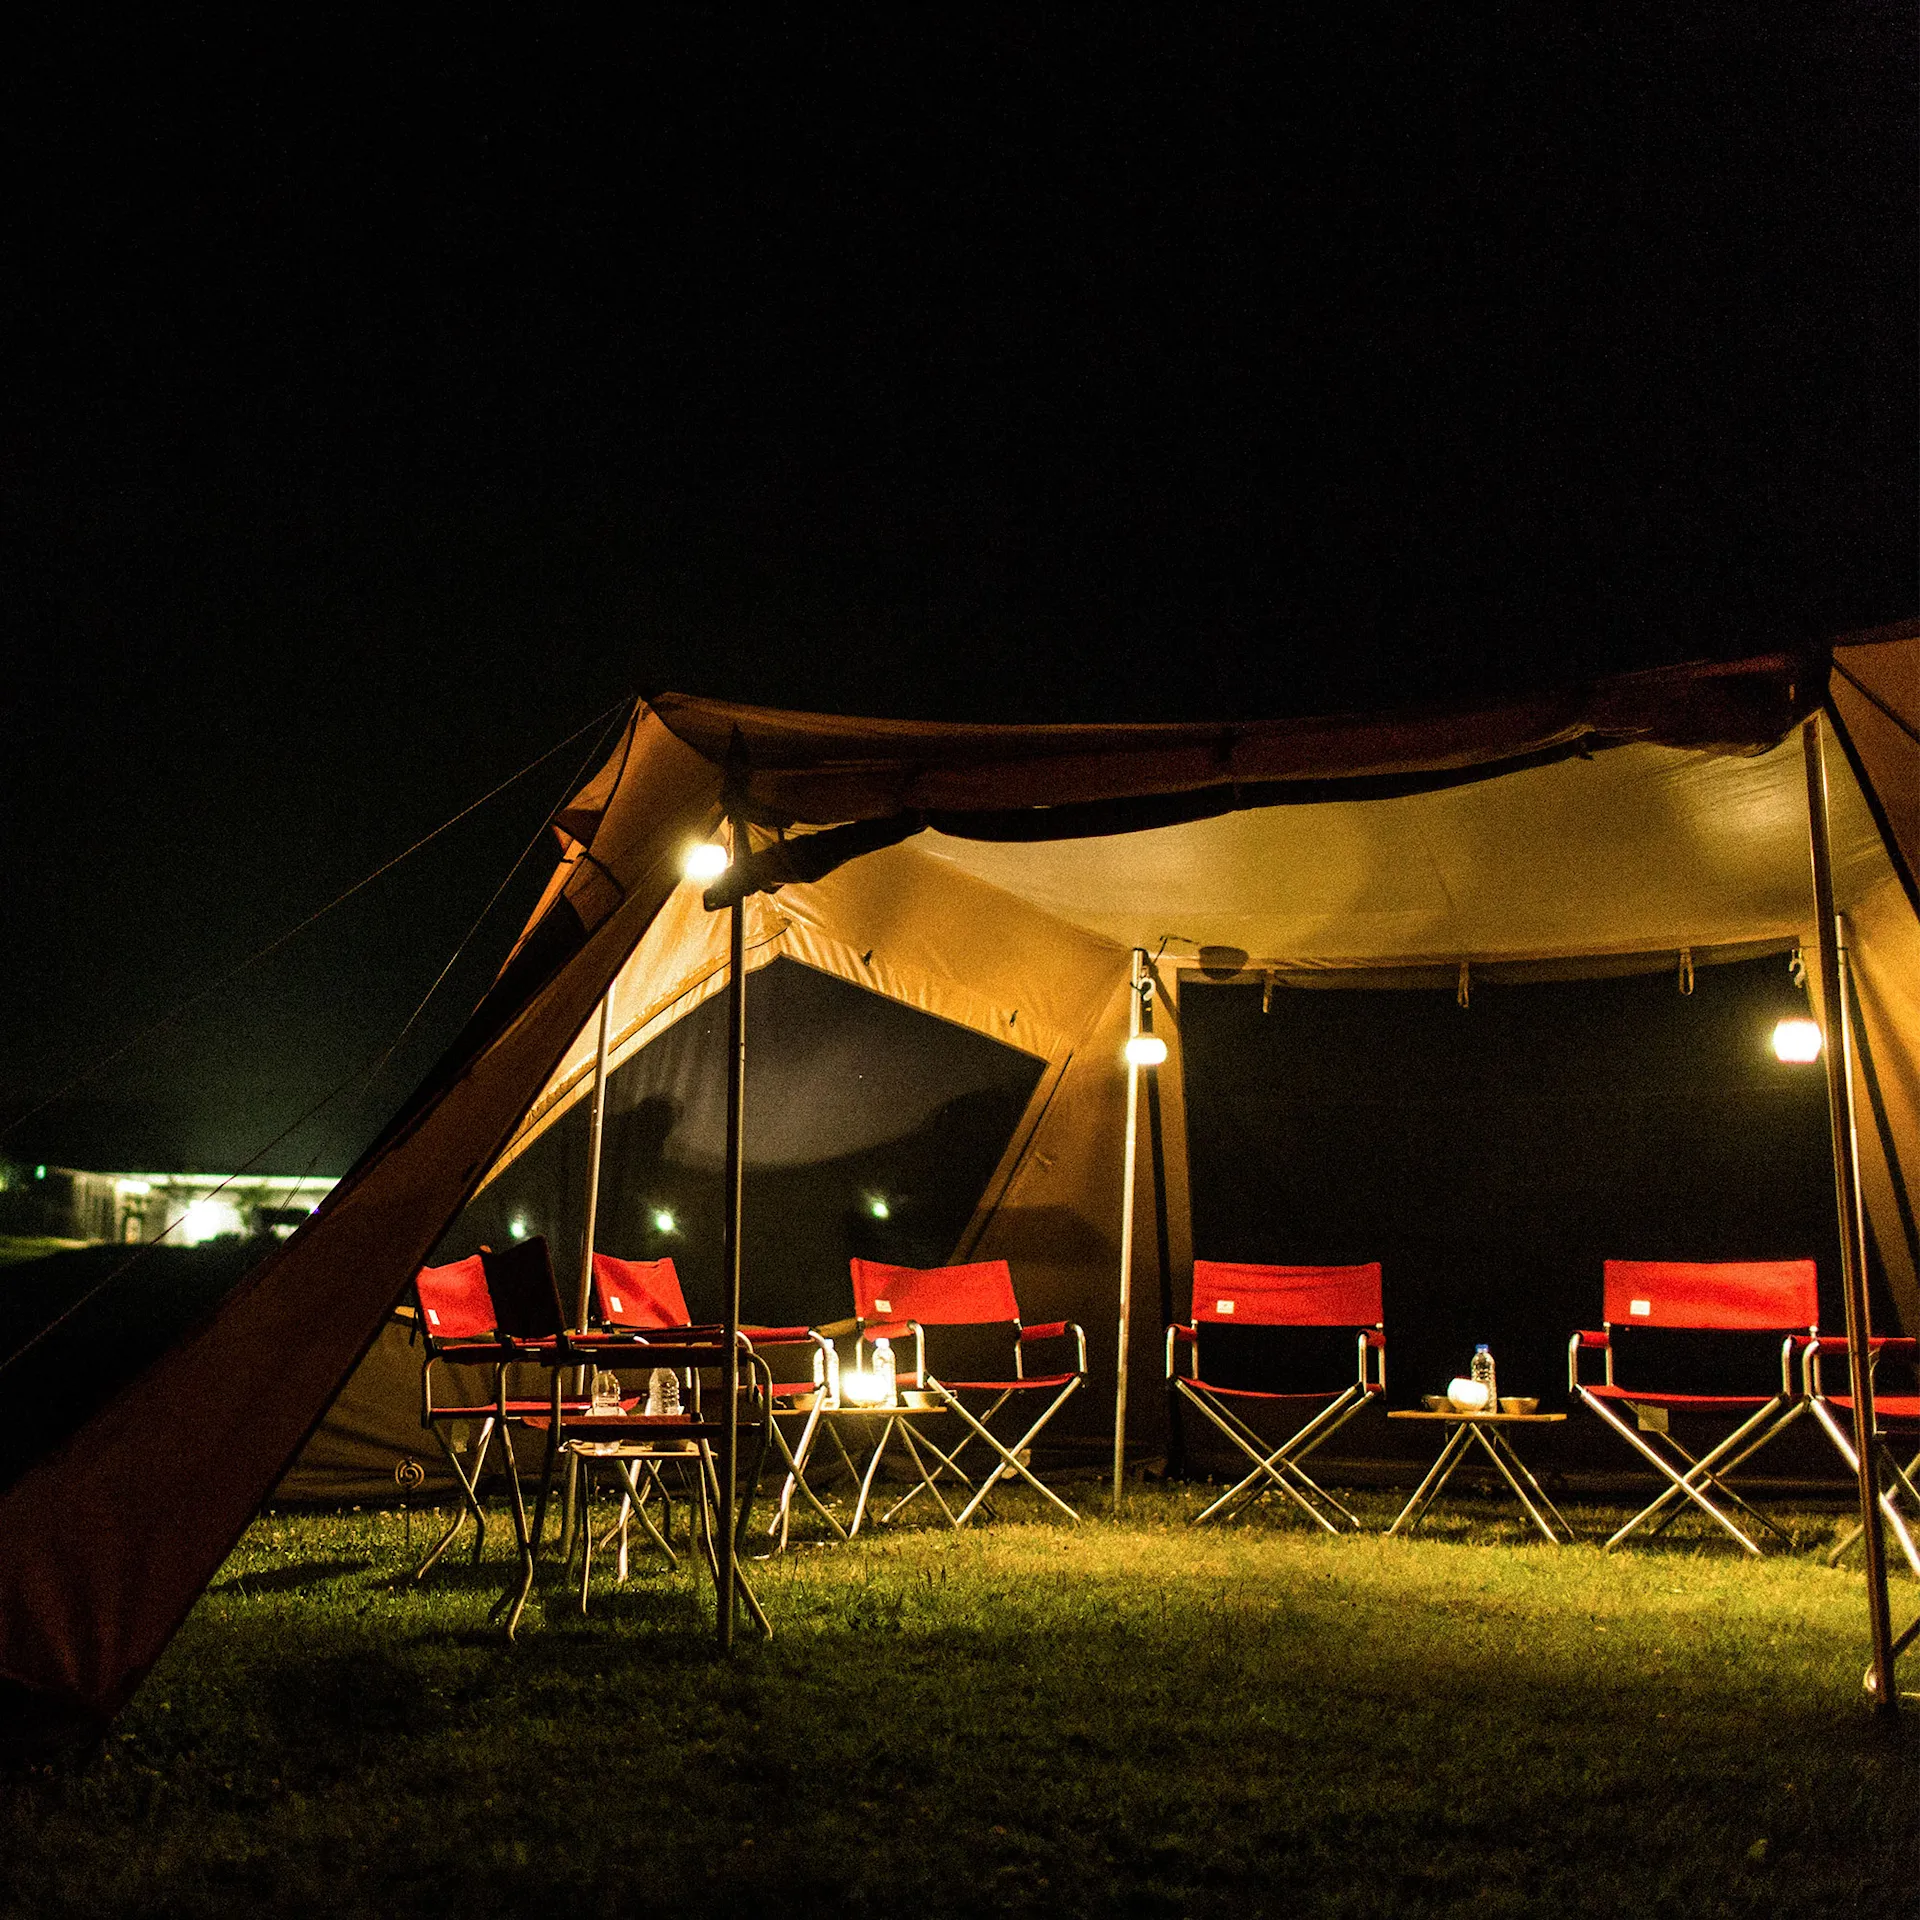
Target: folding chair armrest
x: 779, y: 1336
x: 1585, y: 1342
x: 1372, y: 1340
x: 1815, y: 1347
x: 1899, y: 1345
x: 1059, y: 1330
x: 1177, y: 1335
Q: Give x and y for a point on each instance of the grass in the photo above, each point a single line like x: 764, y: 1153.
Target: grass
x: 1125, y: 1718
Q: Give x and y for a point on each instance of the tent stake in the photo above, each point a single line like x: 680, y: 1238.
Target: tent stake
x: 1846, y: 1180
x: 1126, y: 1230
x: 736, y: 1194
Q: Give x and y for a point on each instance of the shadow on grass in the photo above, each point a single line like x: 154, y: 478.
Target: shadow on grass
x: 289, y: 1579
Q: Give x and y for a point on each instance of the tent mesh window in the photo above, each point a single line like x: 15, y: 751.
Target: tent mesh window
x: 872, y: 1129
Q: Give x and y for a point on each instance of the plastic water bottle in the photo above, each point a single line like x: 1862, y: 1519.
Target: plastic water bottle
x: 663, y: 1391
x: 883, y: 1370
x: 606, y: 1390
x: 1483, y: 1373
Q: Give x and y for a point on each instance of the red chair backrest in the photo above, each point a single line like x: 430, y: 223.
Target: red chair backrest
x: 639, y: 1293
x: 1228, y: 1293
x: 526, y: 1301
x: 1725, y: 1296
x: 455, y: 1300
x: 970, y: 1296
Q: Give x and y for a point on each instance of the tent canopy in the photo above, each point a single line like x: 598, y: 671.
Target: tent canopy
x: 999, y: 877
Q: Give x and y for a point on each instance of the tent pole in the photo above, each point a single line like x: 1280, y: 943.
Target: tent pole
x: 596, y: 1113
x: 1846, y: 1179
x: 735, y: 1199
x: 596, y: 1118
x: 1126, y: 1231
x: 1163, y: 1244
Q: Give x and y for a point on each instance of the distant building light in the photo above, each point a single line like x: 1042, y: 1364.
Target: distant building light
x: 1146, y: 1050
x: 208, y: 1219
x: 1797, y: 1042
x: 517, y: 1226
x: 878, y: 1207
x: 663, y: 1221
x: 706, y: 861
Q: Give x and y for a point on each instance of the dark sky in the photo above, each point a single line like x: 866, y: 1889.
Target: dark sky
x: 378, y: 414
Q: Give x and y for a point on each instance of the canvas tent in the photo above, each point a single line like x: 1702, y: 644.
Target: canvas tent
x: 1001, y: 879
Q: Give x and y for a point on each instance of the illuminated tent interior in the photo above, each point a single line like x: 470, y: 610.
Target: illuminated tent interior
x: 996, y: 883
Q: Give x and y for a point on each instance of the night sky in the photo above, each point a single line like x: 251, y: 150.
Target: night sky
x: 378, y: 415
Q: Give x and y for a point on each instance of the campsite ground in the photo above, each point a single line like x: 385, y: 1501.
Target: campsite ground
x: 1126, y: 1717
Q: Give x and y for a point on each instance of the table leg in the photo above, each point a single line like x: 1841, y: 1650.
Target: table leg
x: 1493, y: 1443
x: 1429, y: 1489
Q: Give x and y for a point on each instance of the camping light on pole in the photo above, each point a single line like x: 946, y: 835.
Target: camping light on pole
x: 663, y: 1220
x: 704, y: 862
x: 1146, y: 1050
x: 1797, y: 1042
x: 877, y: 1207
x: 517, y: 1226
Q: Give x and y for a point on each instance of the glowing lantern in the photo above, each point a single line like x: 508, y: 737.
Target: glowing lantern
x: 1796, y: 1041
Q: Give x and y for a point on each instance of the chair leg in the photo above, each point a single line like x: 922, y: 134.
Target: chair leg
x: 1010, y: 1456
x: 469, y: 1495
x: 1679, y: 1486
x: 1263, y: 1473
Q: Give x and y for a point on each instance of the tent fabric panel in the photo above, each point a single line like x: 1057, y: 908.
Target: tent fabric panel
x: 103, y: 1563
x: 953, y: 947
x: 1875, y: 695
x: 1646, y: 848
x: 1884, y: 948
x: 824, y: 769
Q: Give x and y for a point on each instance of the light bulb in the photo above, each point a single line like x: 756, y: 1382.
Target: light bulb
x: 1796, y: 1042
x: 1146, y: 1050
x: 706, y: 861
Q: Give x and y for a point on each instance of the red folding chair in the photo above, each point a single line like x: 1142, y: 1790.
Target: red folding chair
x: 1252, y: 1341
x: 464, y: 1324
x: 1673, y: 1317
x: 1896, y: 1418
x: 645, y: 1295
x: 896, y: 1302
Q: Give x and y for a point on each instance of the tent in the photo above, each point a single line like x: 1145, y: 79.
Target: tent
x: 1014, y: 881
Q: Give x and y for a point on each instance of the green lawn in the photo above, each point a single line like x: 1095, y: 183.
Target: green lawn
x: 1129, y: 1718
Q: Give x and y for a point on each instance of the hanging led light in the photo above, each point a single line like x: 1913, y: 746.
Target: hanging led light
x: 1797, y: 1042
x: 1146, y: 1050
x: 705, y: 861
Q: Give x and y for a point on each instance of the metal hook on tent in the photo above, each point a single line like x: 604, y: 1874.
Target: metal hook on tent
x: 1464, y: 988
x: 1686, y: 971
x: 1797, y: 966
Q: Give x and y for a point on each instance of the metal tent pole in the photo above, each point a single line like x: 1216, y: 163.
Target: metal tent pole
x: 1846, y: 1180
x: 730, y: 1235
x: 1126, y: 1230
x: 1163, y: 1245
x: 596, y: 1113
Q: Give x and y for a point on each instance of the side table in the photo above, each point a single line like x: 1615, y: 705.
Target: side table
x: 1489, y: 1430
